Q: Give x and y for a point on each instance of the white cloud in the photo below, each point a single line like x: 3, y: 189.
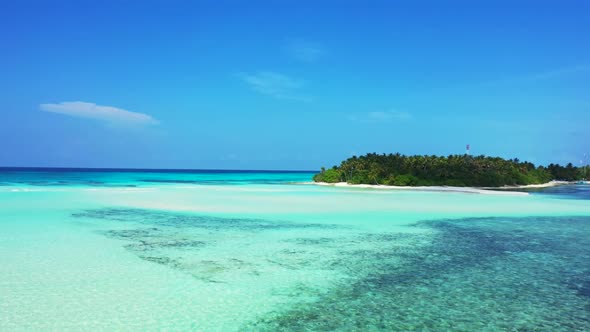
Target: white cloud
x: 304, y: 51
x: 275, y: 85
x: 112, y: 115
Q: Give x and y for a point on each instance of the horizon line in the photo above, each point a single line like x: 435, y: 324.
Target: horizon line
x: 123, y: 169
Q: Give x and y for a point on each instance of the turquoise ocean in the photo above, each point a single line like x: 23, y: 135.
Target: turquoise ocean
x: 136, y: 250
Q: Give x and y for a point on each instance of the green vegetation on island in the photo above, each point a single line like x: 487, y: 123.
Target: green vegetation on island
x: 454, y: 170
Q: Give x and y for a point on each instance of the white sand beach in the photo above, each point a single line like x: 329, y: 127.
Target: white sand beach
x: 553, y: 183
x: 468, y: 190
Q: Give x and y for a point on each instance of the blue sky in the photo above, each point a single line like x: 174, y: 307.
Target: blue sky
x: 290, y: 84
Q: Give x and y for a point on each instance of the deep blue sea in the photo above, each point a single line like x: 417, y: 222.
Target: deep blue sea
x: 141, y: 177
x: 576, y: 191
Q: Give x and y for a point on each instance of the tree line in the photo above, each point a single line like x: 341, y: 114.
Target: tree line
x: 453, y: 170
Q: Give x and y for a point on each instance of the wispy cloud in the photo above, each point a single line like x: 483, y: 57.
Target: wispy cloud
x: 557, y: 73
x: 389, y: 115
x: 109, y: 114
x: 275, y: 85
x: 560, y: 72
x: 304, y: 51
x: 381, y: 116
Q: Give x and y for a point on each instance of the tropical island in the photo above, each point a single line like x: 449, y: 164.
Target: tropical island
x: 453, y: 170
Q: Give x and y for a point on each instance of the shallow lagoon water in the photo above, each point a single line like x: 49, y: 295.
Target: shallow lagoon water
x: 188, y: 251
